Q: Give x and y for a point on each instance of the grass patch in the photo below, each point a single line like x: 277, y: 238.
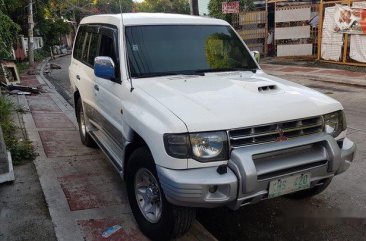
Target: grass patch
x: 21, y: 149
x: 22, y: 67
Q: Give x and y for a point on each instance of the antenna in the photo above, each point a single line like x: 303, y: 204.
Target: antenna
x: 125, y: 51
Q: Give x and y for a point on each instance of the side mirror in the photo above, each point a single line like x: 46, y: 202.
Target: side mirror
x: 104, y: 67
x: 256, y: 55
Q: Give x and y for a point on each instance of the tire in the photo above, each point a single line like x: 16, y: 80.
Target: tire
x: 173, y: 221
x: 85, y: 137
x: 308, y: 193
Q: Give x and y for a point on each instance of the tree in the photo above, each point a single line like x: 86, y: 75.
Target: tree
x: 194, y: 7
x: 8, y: 33
x: 164, y: 6
x: 109, y: 6
x: 215, y: 8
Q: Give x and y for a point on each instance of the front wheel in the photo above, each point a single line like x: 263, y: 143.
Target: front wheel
x: 156, y: 217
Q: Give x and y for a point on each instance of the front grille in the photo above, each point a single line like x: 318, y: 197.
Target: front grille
x: 275, y: 132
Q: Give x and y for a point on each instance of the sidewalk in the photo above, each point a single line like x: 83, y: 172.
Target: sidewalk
x: 83, y: 192
x: 335, y: 76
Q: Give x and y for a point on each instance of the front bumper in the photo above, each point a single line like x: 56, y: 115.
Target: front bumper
x: 250, y: 170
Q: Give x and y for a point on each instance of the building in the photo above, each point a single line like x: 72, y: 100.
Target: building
x: 203, y: 7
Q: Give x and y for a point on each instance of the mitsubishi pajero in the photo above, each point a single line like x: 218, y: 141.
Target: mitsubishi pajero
x: 188, y: 118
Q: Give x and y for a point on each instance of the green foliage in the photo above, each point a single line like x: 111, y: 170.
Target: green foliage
x: 215, y: 8
x: 41, y: 54
x: 49, y: 22
x: 22, y: 67
x: 8, y: 31
x: 21, y: 150
x: 164, y: 6
x: 107, y: 6
x: 5, y: 109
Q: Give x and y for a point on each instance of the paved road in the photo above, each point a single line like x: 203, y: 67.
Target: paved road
x: 60, y: 78
x: 339, y: 213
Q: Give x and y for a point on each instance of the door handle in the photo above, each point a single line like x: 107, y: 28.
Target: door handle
x: 96, y: 87
x: 78, y: 77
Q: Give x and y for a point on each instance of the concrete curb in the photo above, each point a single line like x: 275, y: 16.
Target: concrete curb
x: 325, y: 79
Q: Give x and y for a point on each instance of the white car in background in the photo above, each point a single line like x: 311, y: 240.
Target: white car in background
x: 188, y: 118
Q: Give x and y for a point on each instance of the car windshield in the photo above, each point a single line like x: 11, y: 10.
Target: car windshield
x: 185, y: 49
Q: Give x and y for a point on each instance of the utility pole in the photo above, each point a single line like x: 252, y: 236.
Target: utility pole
x: 194, y: 7
x: 30, y: 33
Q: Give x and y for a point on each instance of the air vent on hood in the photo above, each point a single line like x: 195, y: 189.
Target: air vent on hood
x: 267, y: 88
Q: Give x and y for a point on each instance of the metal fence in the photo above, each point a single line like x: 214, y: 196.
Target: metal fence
x: 254, y: 29
x: 296, y: 28
x: 280, y: 28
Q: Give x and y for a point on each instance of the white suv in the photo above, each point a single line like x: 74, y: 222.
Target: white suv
x: 187, y: 117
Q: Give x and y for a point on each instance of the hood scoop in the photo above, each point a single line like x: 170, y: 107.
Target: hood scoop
x: 267, y: 88
x: 262, y: 87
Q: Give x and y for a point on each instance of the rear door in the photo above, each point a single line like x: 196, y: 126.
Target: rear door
x: 82, y: 66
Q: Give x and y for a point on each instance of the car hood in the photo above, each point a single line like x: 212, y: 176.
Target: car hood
x: 221, y: 101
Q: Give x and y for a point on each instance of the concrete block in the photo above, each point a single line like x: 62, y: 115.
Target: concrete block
x: 9, y: 175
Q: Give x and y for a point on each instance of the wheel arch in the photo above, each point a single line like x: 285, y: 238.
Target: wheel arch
x: 137, y: 142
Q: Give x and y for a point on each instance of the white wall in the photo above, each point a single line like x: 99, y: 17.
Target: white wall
x: 203, y: 7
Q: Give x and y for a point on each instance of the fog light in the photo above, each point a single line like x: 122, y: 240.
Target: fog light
x: 213, y: 189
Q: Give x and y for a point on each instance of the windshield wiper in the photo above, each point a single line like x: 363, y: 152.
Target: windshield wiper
x: 157, y: 74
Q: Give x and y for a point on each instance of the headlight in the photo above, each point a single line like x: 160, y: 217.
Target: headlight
x: 335, y: 123
x: 210, y: 146
x: 204, y: 147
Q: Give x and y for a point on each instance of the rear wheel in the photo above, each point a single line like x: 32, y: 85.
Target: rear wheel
x: 307, y: 193
x: 156, y: 217
x: 85, y: 137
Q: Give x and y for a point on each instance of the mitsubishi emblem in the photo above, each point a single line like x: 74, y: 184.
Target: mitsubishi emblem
x: 281, y: 137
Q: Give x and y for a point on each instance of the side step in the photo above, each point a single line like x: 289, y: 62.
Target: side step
x: 109, y: 148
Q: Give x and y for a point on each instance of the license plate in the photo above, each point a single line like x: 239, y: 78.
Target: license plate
x: 288, y: 184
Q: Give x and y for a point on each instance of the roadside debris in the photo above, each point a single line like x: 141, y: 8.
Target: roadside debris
x: 33, y: 72
x: 17, y: 92
x: 55, y: 66
x: 20, y: 89
x: 111, y: 230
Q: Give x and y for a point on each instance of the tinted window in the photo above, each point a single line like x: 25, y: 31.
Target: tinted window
x: 160, y: 50
x: 107, y: 47
x: 92, y: 48
x: 78, y: 48
x: 85, y: 45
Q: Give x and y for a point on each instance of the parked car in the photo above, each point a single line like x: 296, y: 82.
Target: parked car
x: 188, y: 118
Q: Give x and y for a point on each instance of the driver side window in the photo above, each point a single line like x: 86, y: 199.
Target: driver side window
x: 107, y: 47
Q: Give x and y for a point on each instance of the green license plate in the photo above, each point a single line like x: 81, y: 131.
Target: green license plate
x: 289, y: 184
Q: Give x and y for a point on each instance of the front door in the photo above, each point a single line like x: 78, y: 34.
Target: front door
x: 108, y: 96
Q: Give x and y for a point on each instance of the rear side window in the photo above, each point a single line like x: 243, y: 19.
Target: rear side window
x: 93, y: 48
x: 78, y: 48
x: 86, y: 45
